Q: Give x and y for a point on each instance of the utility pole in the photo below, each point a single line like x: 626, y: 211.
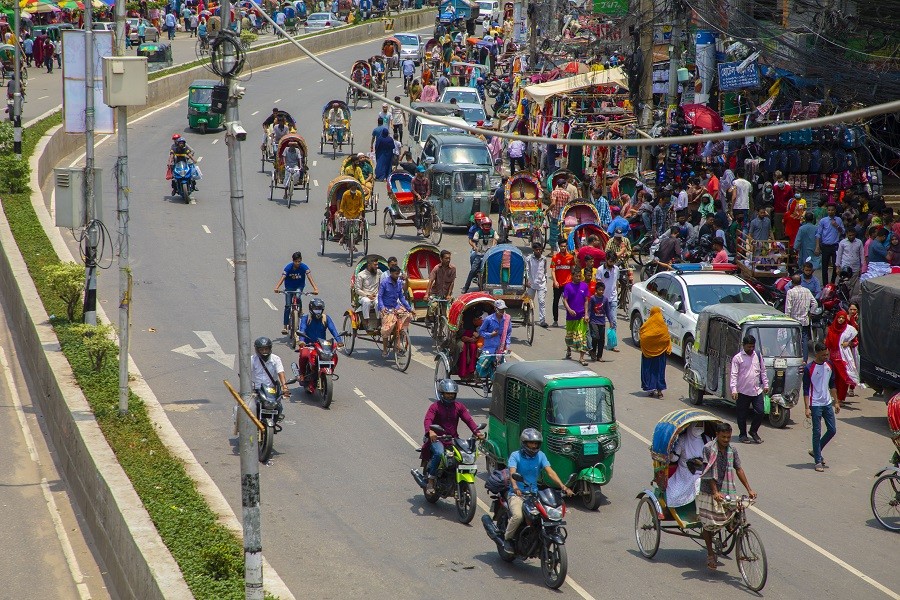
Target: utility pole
x: 674, y: 61
x: 645, y: 104
x: 122, y: 192
x: 90, y: 295
x: 253, y: 572
x: 532, y: 34
x: 16, y: 114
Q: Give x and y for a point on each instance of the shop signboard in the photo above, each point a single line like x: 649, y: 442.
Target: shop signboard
x: 732, y: 79
x: 611, y: 7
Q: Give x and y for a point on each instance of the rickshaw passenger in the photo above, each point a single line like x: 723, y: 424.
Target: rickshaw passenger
x: 367, y: 283
x: 681, y: 488
x: 271, y: 119
x: 468, y: 347
x: 354, y: 169
x: 351, y: 207
x: 335, y: 122
x: 497, y: 333
x: 393, y: 307
x: 722, y: 464
x: 279, y: 130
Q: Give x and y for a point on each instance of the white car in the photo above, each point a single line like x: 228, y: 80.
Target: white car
x: 681, y: 296
x: 474, y: 113
x: 323, y: 20
x: 411, y: 46
x: 489, y: 10
x: 463, y: 95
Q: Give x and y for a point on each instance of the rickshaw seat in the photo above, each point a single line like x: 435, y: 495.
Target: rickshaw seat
x: 404, y: 197
x: 417, y: 288
x: 687, y: 514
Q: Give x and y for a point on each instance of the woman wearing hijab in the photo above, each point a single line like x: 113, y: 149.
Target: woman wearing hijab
x: 656, y: 345
x: 840, y: 332
x: 853, y: 348
x: 681, y: 488
x: 384, y: 155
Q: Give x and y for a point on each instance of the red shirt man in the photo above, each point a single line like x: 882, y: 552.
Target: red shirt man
x: 594, y: 248
x: 561, y: 264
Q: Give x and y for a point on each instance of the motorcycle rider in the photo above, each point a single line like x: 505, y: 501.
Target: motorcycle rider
x: 809, y: 281
x: 267, y: 369
x: 481, y: 241
x: 446, y: 412
x: 528, y: 461
x: 314, y: 326
x: 180, y: 150
x: 408, y: 67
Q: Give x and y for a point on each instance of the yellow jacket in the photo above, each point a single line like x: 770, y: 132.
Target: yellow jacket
x: 351, y: 205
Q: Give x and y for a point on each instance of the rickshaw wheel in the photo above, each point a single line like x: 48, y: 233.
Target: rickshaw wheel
x: 348, y: 332
x: 592, y: 496
x: 272, y: 187
x: 403, y: 355
x: 374, y: 208
x: 441, y: 370
x: 322, y: 237
x: 751, y: 559
x: 529, y: 324
x: 437, y: 229
x: 719, y: 543
x: 646, y: 528
x: 365, y: 239
x: 202, y: 128
x: 389, y: 225
x: 779, y: 417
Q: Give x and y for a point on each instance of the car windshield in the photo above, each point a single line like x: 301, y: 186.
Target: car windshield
x: 474, y: 114
x: 461, y: 96
x: 471, y: 182
x: 580, y: 406
x: 407, y: 40
x: 702, y: 296
x: 430, y: 129
x: 777, y: 342
x: 466, y: 155
x: 201, y: 96
x: 319, y: 17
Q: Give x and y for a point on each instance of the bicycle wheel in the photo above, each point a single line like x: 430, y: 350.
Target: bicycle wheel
x: 365, y: 237
x: 290, y: 190
x: 348, y: 332
x: 437, y: 229
x: 292, y: 328
x: 403, y: 353
x: 529, y: 324
x: 885, y: 500
x: 751, y: 559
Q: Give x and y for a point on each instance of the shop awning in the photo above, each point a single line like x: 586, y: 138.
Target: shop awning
x: 540, y: 92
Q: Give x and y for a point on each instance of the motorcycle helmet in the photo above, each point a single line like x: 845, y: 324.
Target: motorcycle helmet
x: 485, y: 224
x: 530, y: 435
x: 263, y: 347
x: 317, y: 307
x: 478, y: 217
x: 176, y: 137
x: 447, y: 390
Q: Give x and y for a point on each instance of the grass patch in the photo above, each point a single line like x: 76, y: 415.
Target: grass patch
x: 209, y: 555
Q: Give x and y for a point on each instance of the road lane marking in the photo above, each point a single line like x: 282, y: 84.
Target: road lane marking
x: 269, y: 303
x: 315, y: 162
x: 481, y: 504
x: 422, y: 360
x: 800, y: 538
x: 299, y: 89
x: 253, y: 114
x: 43, y: 97
x: 65, y: 544
x: 517, y: 357
x: 206, y: 229
x: 215, y: 141
x: 200, y: 159
x: 320, y: 81
x: 230, y: 262
x: 316, y: 182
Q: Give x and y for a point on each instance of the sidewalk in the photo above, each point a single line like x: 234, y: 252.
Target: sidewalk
x: 51, y: 556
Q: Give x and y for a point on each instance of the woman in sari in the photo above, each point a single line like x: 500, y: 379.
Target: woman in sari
x: 468, y: 353
x: 656, y: 345
x: 840, y: 332
x: 853, y: 348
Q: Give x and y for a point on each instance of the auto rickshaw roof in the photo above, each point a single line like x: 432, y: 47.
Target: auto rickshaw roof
x: 204, y: 83
x: 740, y: 313
x: 554, y: 373
x: 455, y: 168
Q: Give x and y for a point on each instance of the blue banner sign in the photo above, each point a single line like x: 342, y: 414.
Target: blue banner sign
x: 731, y: 79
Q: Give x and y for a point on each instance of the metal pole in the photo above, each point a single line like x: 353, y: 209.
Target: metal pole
x: 90, y: 295
x: 16, y: 114
x: 674, y: 61
x: 122, y: 192
x: 532, y: 34
x: 253, y: 573
x: 645, y: 105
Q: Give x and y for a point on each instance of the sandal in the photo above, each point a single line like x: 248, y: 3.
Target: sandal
x: 583, y: 362
x: 711, y: 562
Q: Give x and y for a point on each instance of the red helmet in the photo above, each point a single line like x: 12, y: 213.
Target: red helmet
x: 485, y: 223
x: 176, y: 137
x: 478, y: 217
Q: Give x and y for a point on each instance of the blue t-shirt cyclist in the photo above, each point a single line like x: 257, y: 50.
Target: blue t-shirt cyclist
x: 528, y: 461
x: 294, y: 278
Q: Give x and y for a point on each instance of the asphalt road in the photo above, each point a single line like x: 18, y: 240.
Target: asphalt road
x: 342, y: 517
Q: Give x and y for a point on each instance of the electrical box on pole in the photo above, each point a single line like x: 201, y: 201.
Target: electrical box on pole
x: 69, y: 196
x: 125, y: 80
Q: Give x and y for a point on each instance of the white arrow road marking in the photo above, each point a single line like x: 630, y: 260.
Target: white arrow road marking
x: 206, y: 229
x: 409, y: 440
x: 269, y: 304
x: 315, y: 162
x: 211, y: 347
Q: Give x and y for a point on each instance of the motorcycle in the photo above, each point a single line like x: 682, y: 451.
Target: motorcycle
x: 182, y: 179
x: 269, y: 411
x: 701, y: 251
x: 501, y: 93
x: 319, y: 375
x: 773, y: 293
x: 455, y: 476
x: 541, y: 534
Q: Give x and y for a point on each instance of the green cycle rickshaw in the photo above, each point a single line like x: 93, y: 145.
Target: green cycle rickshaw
x: 199, y: 100
x: 573, y: 409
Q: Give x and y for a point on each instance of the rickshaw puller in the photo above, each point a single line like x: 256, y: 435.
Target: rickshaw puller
x: 293, y: 164
x: 393, y: 307
x: 421, y: 189
x: 313, y: 327
x: 447, y: 413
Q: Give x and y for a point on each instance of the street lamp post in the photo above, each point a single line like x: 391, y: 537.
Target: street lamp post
x: 122, y: 192
x: 16, y: 114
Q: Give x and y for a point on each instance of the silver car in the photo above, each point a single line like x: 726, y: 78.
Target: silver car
x: 322, y: 20
x: 151, y: 33
x: 410, y: 47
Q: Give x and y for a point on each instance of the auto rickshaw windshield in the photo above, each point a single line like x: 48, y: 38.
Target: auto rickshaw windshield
x: 471, y: 182
x: 580, y: 406
x: 706, y: 295
x: 201, y: 96
x: 465, y: 155
x: 779, y: 342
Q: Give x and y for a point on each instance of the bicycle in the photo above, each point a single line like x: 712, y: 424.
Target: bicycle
x: 436, y: 322
x: 885, y: 496
x: 296, y: 314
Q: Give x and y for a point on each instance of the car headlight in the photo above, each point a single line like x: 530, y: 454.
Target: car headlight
x: 566, y: 449
x: 555, y: 514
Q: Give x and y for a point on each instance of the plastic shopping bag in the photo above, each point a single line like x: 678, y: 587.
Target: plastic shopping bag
x: 767, y: 404
x: 169, y: 173
x: 612, y: 339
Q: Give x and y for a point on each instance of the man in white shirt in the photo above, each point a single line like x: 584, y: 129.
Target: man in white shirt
x: 366, y: 286
x: 516, y: 152
x: 537, y: 280
x: 266, y: 369
x: 797, y: 304
x: 821, y: 402
x: 609, y: 275
x: 681, y: 198
x: 740, y: 195
x: 850, y: 255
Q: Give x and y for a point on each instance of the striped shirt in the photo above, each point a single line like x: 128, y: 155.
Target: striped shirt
x: 558, y: 199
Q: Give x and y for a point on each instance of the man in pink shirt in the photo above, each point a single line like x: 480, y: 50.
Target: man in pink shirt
x: 721, y: 256
x: 748, y: 384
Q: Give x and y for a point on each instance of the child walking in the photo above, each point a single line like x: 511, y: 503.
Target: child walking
x: 599, y: 311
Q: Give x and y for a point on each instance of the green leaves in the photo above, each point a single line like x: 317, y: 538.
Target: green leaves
x: 66, y: 282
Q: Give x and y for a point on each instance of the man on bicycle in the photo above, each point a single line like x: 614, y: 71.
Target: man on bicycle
x: 294, y: 278
x: 294, y: 163
x: 440, y: 283
x: 313, y: 327
x: 484, y: 238
x: 421, y: 189
x: 393, y: 307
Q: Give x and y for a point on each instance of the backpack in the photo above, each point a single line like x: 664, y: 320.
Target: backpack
x: 827, y: 164
x: 783, y: 161
x: 840, y: 159
x: 784, y: 138
x: 772, y: 161
x: 815, y: 161
x: 498, y: 481
x: 793, y: 161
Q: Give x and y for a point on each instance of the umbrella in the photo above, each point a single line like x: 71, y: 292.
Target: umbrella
x: 575, y: 68
x: 70, y: 5
x: 702, y: 117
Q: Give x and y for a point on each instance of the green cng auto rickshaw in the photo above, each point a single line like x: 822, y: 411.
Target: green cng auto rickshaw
x: 199, y: 103
x: 720, y: 331
x: 573, y: 410
x: 159, y: 55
